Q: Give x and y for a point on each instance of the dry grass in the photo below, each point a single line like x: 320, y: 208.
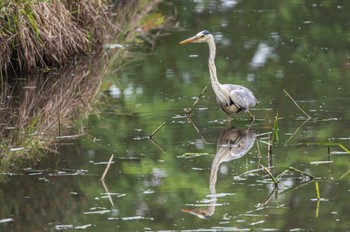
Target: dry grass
x: 48, y: 33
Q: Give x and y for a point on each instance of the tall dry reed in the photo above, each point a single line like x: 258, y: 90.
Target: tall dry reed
x: 48, y: 33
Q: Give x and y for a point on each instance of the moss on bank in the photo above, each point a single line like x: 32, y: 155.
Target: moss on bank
x: 44, y: 33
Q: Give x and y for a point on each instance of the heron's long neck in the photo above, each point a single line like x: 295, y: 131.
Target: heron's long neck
x: 212, y: 68
x: 211, y: 61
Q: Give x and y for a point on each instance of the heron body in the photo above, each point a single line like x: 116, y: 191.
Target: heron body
x: 231, y: 98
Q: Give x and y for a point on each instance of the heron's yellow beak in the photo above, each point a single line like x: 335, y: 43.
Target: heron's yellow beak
x: 189, y: 40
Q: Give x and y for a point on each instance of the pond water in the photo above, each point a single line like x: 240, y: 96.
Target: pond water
x: 196, y: 174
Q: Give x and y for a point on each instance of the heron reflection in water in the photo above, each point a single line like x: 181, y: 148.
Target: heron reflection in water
x: 231, y: 98
x: 232, y: 144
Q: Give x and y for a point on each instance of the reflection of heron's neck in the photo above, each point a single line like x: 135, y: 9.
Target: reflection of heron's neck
x: 218, y: 159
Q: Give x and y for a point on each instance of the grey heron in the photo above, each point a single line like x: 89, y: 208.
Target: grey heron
x: 231, y: 98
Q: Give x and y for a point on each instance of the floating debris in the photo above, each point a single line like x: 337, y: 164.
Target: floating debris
x: 321, y: 162
x: 148, y: 191
x: 83, y: 226
x: 136, y: 218
x: 98, y: 212
x: 64, y: 227
x: 5, y: 220
x: 192, y: 155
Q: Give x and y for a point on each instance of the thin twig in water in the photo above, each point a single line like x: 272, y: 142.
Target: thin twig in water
x: 265, y: 142
x: 154, y: 132
x: 317, y: 191
x: 196, y: 128
x: 269, y: 152
x: 317, y: 208
x: 270, y: 175
x: 269, y: 197
x: 301, y: 172
x: 196, y: 101
x: 157, y: 145
x: 107, y: 167
x: 275, y: 136
x: 107, y: 192
x: 318, y: 199
x: 329, y: 149
x: 198, y: 97
x: 282, y: 174
x: 250, y: 171
x: 296, y: 104
x: 331, y: 144
x: 345, y: 174
x: 296, y: 131
x: 300, y: 185
x: 259, y: 153
x: 306, y: 114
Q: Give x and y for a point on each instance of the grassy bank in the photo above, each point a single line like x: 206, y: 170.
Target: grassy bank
x: 45, y: 33
x: 39, y: 111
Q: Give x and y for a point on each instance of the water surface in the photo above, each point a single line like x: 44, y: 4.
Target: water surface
x: 196, y: 174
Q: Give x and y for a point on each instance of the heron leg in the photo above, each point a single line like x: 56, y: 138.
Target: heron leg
x: 252, y: 118
x: 228, y: 121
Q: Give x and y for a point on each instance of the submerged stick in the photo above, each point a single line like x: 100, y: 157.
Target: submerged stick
x: 297, y: 104
x: 107, y: 167
x: 154, y: 132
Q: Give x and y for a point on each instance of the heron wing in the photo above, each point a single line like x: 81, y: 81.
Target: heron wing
x: 242, y: 97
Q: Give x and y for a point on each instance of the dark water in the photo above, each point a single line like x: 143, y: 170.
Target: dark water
x: 196, y: 174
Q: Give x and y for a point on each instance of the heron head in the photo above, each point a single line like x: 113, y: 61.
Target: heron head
x: 201, y: 37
